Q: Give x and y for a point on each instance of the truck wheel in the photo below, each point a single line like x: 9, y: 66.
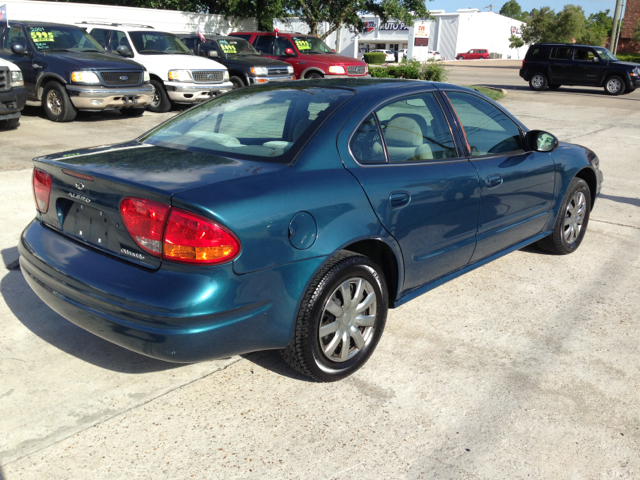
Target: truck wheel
x: 9, y: 124
x: 313, y: 75
x: 237, y: 82
x: 614, y: 85
x: 161, y: 102
x: 460, y: 58
x: 132, y: 112
x: 56, y: 103
x: 538, y: 82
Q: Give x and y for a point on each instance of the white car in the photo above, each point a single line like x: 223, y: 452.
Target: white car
x: 177, y: 75
x: 390, y: 56
x: 13, y: 94
x: 434, y: 55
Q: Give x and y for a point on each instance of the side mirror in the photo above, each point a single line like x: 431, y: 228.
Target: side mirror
x: 542, y: 141
x: 289, y: 51
x: 334, y: 50
x: 18, y: 49
x: 213, y: 53
x: 596, y: 59
x: 124, y: 51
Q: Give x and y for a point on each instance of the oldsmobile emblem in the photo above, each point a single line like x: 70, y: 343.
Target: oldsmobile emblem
x: 79, y: 185
x: 124, y: 77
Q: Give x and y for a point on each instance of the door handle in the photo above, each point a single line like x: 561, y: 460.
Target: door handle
x: 399, y: 199
x: 494, y: 180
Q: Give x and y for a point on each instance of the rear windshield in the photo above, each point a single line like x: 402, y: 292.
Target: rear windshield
x: 268, y: 124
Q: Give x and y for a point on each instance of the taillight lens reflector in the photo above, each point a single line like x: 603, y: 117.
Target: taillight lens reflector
x: 190, y: 238
x: 41, y: 189
x: 145, y: 220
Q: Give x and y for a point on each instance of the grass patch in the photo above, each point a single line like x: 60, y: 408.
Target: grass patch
x: 492, y: 94
x: 629, y: 57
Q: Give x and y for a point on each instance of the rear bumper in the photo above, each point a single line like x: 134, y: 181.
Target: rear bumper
x: 194, y: 92
x: 177, y: 313
x: 100, y: 98
x: 12, y: 102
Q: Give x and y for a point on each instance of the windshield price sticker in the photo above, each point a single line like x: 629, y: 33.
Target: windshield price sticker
x: 303, y: 45
x: 226, y: 48
x: 42, y: 36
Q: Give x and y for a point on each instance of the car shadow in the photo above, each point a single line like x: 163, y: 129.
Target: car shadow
x: 43, y: 322
x: 584, y: 91
x: 272, y: 361
x: 614, y: 198
x: 90, y: 117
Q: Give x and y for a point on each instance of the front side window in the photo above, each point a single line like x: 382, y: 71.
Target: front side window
x: 118, y: 39
x: 52, y: 38
x: 606, y: 54
x: 268, y: 124
x: 488, y: 131
x: 584, y: 55
x: 158, y: 43
x: 308, y: 45
x: 264, y: 44
x: 561, y: 53
x: 280, y: 46
x: 15, y: 36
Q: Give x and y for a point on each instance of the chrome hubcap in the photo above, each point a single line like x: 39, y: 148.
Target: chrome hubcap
x: 537, y: 81
x: 348, y: 320
x: 156, y: 98
x: 54, y: 102
x: 614, y: 85
x: 574, y: 217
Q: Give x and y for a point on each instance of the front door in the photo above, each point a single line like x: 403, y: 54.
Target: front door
x: 517, y: 185
x: 423, y: 190
x: 585, y: 67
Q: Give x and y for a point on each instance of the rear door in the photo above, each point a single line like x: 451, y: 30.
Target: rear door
x: 560, y: 65
x: 422, y: 188
x: 517, y: 186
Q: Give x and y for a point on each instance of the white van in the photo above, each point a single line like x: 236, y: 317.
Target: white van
x: 177, y: 75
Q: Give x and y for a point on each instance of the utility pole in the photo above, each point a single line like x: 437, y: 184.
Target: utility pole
x: 614, y: 29
x: 615, y: 48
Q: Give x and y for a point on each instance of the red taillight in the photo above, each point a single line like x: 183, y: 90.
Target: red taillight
x: 41, y: 189
x: 192, y: 239
x: 522, y: 63
x: 145, y: 220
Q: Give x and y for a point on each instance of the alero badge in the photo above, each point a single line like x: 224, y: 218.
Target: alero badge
x: 82, y: 198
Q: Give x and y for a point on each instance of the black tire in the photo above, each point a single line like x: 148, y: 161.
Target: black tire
x: 460, y: 58
x: 132, y: 112
x: 237, y: 82
x: 554, y: 86
x: 614, y: 85
x: 559, y: 242
x: 305, y: 352
x: 56, y: 103
x: 313, y: 75
x: 161, y: 102
x: 538, y: 82
x: 9, y: 124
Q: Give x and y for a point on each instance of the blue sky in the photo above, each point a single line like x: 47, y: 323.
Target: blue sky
x: 589, y: 6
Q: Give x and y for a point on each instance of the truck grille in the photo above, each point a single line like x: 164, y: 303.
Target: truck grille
x: 5, y: 79
x: 356, y: 70
x: 278, y: 71
x: 207, y: 76
x: 121, y: 78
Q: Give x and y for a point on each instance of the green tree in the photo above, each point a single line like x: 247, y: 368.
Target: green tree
x: 540, y: 27
x: 570, y: 25
x: 512, y: 9
x: 264, y: 11
x: 515, y: 41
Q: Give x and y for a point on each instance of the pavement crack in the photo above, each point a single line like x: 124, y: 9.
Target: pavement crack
x: 104, y: 420
x: 614, y: 223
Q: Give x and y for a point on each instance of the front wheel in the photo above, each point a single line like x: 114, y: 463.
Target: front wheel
x: 572, y: 220
x: 341, y: 319
x: 538, y: 82
x: 460, y: 58
x: 56, y: 103
x: 313, y: 75
x: 237, y: 82
x: 161, y: 102
x: 614, y: 85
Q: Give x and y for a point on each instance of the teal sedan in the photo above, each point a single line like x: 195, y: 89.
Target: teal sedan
x: 293, y: 216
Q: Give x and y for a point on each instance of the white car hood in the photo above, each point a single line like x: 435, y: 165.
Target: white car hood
x: 12, y: 66
x: 175, y: 62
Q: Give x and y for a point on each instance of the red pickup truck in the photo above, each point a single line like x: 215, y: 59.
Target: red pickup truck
x: 309, y: 56
x: 474, y: 54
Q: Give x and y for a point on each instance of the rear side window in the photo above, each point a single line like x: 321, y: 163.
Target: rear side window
x: 366, y: 143
x: 561, y: 53
x: 538, y: 53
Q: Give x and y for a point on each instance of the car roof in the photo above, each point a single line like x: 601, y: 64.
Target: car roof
x: 122, y: 26
x: 41, y: 23
x: 564, y: 45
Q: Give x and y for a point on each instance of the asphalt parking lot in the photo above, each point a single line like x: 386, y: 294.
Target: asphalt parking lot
x: 528, y: 367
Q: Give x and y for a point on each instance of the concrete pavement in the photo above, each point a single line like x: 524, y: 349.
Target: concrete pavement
x: 525, y: 368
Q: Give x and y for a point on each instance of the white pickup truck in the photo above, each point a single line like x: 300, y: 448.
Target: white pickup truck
x: 13, y: 94
x: 177, y: 75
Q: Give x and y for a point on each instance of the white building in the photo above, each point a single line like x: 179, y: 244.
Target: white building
x: 448, y: 33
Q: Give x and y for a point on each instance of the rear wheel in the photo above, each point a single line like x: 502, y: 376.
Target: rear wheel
x: 571, y: 223
x: 9, y: 124
x: 460, y: 58
x: 237, y: 82
x: 56, y: 103
x: 161, y: 102
x: 340, y: 320
x: 614, y: 85
x: 538, y: 82
x: 132, y: 112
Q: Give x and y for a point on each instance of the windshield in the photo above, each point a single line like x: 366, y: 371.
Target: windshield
x: 267, y: 124
x: 307, y: 44
x: 158, y: 43
x: 63, y: 39
x: 606, y: 54
x: 236, y: 47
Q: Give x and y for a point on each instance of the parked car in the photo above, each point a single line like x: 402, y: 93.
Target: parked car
x: 246, y: 66
x: 434, y: 55
x: 390, y: 56
x: 474, y: 54
x: 176, y: 74
x: 13, y: 94
x: 309, y: 56
x: 292, y: 216
x: 554, y: 65
x: 65, y: 70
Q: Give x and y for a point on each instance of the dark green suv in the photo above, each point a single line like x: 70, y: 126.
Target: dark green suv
x: 554, y: 65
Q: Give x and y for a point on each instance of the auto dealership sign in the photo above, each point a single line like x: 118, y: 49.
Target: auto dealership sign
x: 393, y: 26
